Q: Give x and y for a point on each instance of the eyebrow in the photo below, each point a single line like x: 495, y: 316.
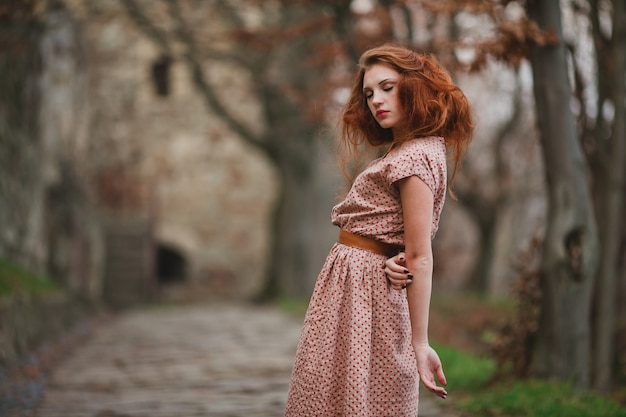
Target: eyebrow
x: 381, y: 82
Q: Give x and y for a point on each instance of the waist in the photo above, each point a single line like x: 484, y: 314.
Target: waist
x: 370, y: 245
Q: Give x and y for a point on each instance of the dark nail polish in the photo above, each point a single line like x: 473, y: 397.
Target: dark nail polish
x: 406, y: 271
x: 404, y: 286
x: 410, y: 276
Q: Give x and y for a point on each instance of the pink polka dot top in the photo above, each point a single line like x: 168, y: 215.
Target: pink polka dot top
x: 372, y: 207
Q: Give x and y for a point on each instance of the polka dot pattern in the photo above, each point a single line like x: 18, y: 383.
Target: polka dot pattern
x: 355, y: 356
x: 372, y: 208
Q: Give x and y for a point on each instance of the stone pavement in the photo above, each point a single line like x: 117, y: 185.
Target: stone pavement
x: 185, y: 361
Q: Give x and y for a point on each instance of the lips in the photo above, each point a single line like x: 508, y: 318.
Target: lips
x: 381, y: 113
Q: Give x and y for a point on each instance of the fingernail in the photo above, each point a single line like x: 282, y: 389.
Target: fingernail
x: 404, y: 286
x: 409, y: 281
x: 410, y: 276
x: 406, y: 271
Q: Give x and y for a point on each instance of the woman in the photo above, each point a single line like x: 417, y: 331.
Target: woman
x: 364, y: 344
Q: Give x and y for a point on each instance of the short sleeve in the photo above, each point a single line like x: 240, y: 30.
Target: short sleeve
x: 424, y: 158
x: 373, y: 206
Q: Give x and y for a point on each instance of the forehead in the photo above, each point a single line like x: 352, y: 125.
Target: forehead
x: 376, y: 73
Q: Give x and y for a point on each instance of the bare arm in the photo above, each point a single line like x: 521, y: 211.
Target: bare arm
x: 417, y: 206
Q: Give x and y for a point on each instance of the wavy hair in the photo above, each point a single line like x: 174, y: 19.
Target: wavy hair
x: 433, y: 105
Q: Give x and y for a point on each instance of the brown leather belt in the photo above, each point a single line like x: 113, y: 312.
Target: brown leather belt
x: 371, y: 245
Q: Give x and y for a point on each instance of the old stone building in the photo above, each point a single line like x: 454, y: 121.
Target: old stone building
x: 113, y: 167
x: 207, y: 192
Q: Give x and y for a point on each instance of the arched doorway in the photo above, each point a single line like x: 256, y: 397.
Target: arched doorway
x: 171, y: 265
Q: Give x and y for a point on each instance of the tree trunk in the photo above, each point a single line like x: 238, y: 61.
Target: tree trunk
x: 288, y: 264
x: 612, y: 205
x: 293, y: 146
x: 293, y: 228
x: 570, y: 252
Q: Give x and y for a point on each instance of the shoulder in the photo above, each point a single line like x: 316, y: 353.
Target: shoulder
x: 430, y: 147
x: 427, y: 144
x: 422, y: 157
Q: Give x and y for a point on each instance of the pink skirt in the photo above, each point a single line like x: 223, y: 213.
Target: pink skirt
x: 354, y: 356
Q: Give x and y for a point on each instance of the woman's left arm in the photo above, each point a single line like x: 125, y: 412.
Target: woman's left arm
x: 417, y: 206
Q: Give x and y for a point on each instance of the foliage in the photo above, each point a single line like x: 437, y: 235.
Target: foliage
x: 512, y: 346
x: 17, y: 280
x: 471, y: 384
x: 512, y: 35
x: 12, y: 10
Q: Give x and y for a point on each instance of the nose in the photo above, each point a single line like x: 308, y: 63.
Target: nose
x: 376, y: 99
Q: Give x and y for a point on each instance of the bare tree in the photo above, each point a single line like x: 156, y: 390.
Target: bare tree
x: 570, y: 251
x: 579, y: 270
x: 291, y: 57
x: 603, y: 138
x: 608, y: 156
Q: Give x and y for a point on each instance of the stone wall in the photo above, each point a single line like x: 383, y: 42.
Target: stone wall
x: 21, y: 185
x: 29, y: 322
x: 48, y: 223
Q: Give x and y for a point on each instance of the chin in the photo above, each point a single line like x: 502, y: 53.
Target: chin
x: 387, y: 125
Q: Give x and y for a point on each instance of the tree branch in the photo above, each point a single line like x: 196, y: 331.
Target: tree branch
x: 343, y: 26
x: 408, y: 21
x: 198, y: 75
x: 151, y: 30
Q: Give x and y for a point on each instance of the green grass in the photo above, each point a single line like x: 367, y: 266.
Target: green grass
x: 295, y: 306
x: 469, y: 382
x: 17, y: 280
x: 464, y: 371
x: 535, y: 398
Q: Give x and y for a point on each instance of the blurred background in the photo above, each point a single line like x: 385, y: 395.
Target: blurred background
x: 184, y: 151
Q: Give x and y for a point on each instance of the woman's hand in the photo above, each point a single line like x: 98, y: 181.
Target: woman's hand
x: 429, y: 365
x: 397, y: 274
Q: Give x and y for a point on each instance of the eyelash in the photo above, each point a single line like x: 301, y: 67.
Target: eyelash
x: 387, y: 89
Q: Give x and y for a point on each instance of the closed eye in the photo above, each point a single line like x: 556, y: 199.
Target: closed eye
x: 386, y: 88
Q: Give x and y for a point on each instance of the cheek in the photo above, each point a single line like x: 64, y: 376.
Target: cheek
x: 371, y: 107
x: 396, y: 101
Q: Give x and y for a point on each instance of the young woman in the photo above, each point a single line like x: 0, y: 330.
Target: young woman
x: 364, y: 344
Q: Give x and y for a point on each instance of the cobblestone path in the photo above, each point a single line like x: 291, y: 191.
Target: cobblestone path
x: 196, y: 361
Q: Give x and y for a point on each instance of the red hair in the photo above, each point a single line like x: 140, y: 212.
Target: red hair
x: 433, y: 105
